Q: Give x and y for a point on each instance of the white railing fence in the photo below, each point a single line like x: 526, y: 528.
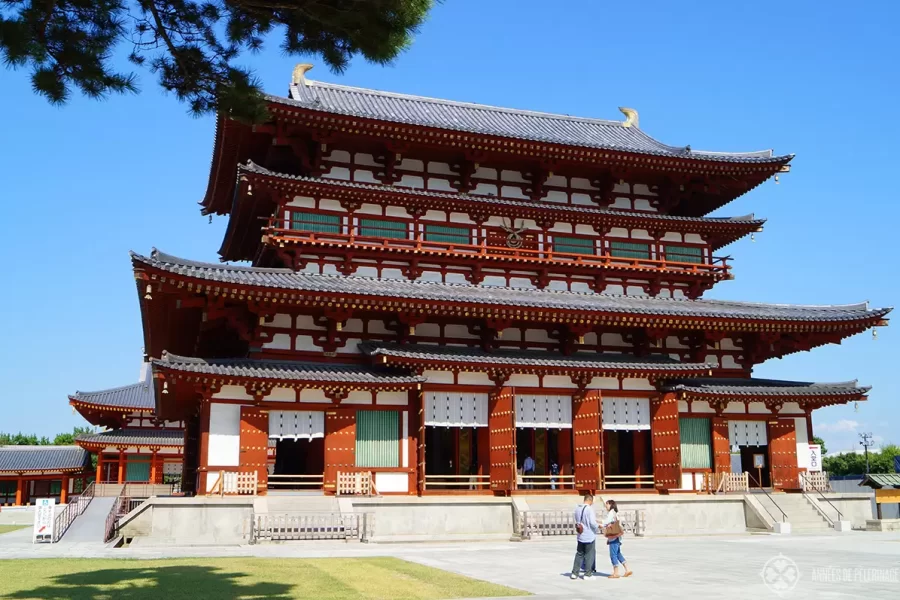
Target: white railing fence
x: 311, y: 526
x: 533, y: 523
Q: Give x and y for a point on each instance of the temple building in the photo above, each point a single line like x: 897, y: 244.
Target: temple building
x: 133, y: 444
x: 31, y: 472
x: 435, y: 292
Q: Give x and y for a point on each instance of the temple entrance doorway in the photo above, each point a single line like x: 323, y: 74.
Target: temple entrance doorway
x: 626, y: 443
x: 544, y: 443
x: 749, y: 440
x: 299, y: 438
x: 457, y: 442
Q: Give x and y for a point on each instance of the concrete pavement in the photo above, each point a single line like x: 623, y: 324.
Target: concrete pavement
x: 829, y: 566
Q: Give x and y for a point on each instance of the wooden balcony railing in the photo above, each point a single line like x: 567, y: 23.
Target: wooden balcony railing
x: 628, y: 481
x: 296, y: 482
x: 457, y: 482
x: 481, y: 247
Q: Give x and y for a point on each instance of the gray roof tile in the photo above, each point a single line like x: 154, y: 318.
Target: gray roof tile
x: 20, y: 459
x: 527, y: 358
x: 495, y: 121
x: 286, y: 279
x: 139, y: 396
x: 135, y: 437
x: 763, y: 387
x: 283, y: 370
x: 251, y: 167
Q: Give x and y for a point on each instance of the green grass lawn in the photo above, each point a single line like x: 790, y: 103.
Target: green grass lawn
x: 237, y: 578
x: 8, y: 528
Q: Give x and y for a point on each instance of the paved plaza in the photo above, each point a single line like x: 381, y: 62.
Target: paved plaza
x: 849, y: 565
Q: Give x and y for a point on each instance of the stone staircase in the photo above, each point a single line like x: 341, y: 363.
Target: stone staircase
x: 291, y: 504
x: 803, y: 516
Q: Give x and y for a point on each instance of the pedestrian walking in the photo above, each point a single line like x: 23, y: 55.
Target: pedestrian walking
x: 587, y: 528
x: 613, y: 531
x: 528, y: 470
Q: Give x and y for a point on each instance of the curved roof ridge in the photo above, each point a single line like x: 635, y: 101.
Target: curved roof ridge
x: 119, y: 388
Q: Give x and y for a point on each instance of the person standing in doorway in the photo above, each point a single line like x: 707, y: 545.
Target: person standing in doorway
x: 586, y: 527
x: 554, y: 473
x: 528, y: 469
x: 614, y: 539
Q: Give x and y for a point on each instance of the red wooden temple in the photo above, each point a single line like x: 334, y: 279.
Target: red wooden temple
x: 438, y: 291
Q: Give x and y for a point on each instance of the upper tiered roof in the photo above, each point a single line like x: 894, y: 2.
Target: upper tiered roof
x: 135, y: 397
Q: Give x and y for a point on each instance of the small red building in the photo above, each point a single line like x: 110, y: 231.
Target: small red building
x: 438, y: 291
x: 31, y: 472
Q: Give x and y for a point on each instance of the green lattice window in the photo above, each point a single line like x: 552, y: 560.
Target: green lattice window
x: 574, y: 245
x: 629, y: 249
x: 302, y: 220
x: 382, y: 228
x: 137, y: 468
x: 447, y: 234
x: 696, y: 443
x: 377, y: 438
x: 7, y: 492
x: 55, y: 487
x: 685, y: 254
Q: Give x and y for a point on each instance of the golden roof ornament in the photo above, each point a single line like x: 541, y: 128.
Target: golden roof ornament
x: 299, y: 74
x: 631, y: 117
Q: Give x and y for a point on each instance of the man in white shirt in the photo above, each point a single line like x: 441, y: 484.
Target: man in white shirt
x: 585, y: 516
x: 528, y: 468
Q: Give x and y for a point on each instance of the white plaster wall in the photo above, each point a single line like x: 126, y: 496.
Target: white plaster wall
x: 233, y: 392
x: 392, y: 398
x: 438, y: 376
x: 224, y: 448
x: 392, y: 483
x: 474, y: 379
x: 313, y: 395
x: 358, y: 397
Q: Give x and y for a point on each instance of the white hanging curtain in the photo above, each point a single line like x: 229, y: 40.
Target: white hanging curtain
x: 540, y: 411
x: 456, y: 409
x: 626, y: 414
x: 747, y: 433
x: 296, y: 424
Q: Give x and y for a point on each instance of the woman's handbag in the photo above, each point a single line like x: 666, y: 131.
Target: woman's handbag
x: 614, y: 529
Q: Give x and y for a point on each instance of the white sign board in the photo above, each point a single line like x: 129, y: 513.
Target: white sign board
x: 43, y: 520
x: 815, y: 458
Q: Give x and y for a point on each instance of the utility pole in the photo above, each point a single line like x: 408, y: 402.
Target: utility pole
x: 866, y: 441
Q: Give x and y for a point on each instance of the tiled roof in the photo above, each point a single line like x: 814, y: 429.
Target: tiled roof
x: 764, y: 387
x: 134, y: 437
x: 19, y: 459
x: 138, y: 396
x: 528, y: 358
x: 251, y: 167
x: 881, y: 480
x: 495, y: 121
x: 286, y: 279
x: 283, y: 370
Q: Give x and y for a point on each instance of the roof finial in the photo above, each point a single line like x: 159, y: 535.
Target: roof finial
x: 299, y: 74
x: 631, y: 117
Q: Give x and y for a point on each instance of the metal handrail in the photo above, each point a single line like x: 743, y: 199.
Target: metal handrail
x: 717, y: 264
x: 803, y: 476
x: 74, y: 509
x: 112, y: 518
x: 775, y: 504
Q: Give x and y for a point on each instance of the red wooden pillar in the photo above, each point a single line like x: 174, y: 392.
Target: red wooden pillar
x: 340, y: 445
x: 64, y: 490
x: 666, y: 438
x: 99, y: 478
x: 414, y: 417
x: 586, y: 436
x: 720, y: 448
x: 564, y: 452
x: 254, y: 446
x: 419, y: 410
x: 121, y: 478
x: 153, y: 465
x: 502, y: 425
x: 203, y: 458
x: 20, y: 491
x: 639, y: 449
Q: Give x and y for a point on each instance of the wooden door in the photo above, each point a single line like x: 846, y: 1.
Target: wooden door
x: 502, y: 423
x: 340, y: 445
x: 783, y: 454
x: 254, y: 442
x: 586, y: 439
x: 666, y: 442
x: 720, y: 447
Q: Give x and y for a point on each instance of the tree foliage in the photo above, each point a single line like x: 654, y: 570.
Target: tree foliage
x: 62, y: 439
x: 192, y: 46
x: 881, y: 461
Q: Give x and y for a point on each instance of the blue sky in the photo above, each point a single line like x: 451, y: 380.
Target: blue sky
x: 86, y: 183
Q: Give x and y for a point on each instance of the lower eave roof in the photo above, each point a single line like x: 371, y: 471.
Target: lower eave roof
x: 523, y: 360
x: 881, y: 480
x: 134, y: 437
x: 763, y: 388
x: 137, y: 396
x: 285, y: 371
x: 289, y: 282
x: 34, y: 459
